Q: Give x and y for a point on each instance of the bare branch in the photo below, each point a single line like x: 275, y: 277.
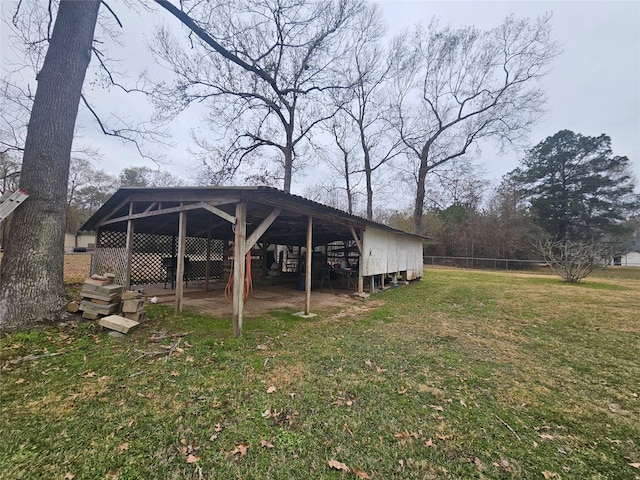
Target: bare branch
x: 112, y: 13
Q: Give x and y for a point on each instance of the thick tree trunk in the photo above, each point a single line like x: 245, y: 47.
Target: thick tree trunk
x: 420, y: 194
x: 31, y: 280
x: 288, y: 158
x: 288, y: 169
x: 367, y: 170
x: 368, y: 176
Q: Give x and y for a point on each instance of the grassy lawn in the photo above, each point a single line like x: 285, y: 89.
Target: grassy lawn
x: 467, y: 374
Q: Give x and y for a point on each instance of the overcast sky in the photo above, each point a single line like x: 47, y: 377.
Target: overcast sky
x: 593, y: 88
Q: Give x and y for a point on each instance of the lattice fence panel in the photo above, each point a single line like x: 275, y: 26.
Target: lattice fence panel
x: 110, y: 260
x: 149, y: 252
x: 196, y: 251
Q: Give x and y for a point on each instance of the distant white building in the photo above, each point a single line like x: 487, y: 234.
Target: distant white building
x: 79, y: 243
x: 632, y: 256
x: 629, y: 259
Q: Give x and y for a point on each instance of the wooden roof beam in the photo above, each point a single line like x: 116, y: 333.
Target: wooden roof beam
x: 258, y: 232
x: 167, y: 211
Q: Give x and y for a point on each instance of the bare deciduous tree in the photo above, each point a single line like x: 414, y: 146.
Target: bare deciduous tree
x: 462, y: 86
x: 574, y: 260
x: 369, y: 68
x: 263, y: 69
x: 31, y: 24
x: 343, y: 170
x: 146, y: 177
x: 88, y: 189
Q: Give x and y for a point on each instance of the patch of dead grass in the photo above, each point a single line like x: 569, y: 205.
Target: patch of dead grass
x: 286, y: 375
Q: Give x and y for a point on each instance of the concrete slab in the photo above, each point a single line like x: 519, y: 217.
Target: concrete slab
x: 118, y: 323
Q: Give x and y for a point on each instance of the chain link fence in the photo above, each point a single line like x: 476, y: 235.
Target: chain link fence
x: 485, y: 263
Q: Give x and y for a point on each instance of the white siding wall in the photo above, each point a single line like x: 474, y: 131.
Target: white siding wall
x: 83, y: 241
x: 631, y: 259
x: 388, y: 252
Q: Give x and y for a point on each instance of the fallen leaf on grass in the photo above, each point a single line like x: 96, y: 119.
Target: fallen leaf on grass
x: 360, y: 474
x: 123, y: 446
x: 174, y: 373
x: 88, y: 375
x: 192, y: 458
x: 406, y: 435
x: 190, y: 359
x: 271, y: 389
x: 545, y: 436
x: 20, y: 380
x: 402, y: 391
x: 267, y: 444
x: 429, y: 443
x: 368, y: 363
x: 547, y: 474
x: 335, y: 464
x: 69, y: 476
x: 437, y: 408
x: 635, y: 465
x: 380, y: 370
x: 463, y: 403
x: 241, y: 449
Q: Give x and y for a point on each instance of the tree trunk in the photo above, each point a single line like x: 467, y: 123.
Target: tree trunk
x: 288, y: 168
x: 347, y: 179
x: 368, y: 174
x: 31, y: 282
x: 420, y: 194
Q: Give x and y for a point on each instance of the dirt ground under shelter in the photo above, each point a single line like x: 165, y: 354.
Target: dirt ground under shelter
x: 263, y: 297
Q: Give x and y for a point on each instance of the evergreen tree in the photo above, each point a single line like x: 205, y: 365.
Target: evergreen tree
x: 577, y: 189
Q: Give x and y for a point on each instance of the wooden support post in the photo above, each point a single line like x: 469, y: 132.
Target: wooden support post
x: 129, y: 251
x: 207, y: 264
x: 265, y: 267
x: 182, y: 247
x: 360, y: 260
x: 309, y: 261
x: 239, y: 267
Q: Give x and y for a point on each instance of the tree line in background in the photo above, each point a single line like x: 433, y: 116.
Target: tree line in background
x: 282, y: 81
x: 571, y: 202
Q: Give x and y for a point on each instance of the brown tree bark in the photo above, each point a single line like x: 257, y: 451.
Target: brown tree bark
x: 31, y: 279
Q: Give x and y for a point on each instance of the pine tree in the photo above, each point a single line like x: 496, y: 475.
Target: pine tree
x: 577, y: 189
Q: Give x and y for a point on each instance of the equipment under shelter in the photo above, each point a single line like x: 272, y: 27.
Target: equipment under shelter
x: 177, y: 235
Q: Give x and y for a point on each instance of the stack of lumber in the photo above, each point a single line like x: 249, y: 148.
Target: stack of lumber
x: 99, y: 298
x: 133, y: 306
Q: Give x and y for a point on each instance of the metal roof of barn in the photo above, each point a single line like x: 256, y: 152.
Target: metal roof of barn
x: 289, y: 228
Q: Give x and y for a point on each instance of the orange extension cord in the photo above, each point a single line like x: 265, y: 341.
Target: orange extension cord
x: 248, y: 281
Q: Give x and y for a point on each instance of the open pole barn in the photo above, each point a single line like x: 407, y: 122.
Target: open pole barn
x: 175, y: 235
